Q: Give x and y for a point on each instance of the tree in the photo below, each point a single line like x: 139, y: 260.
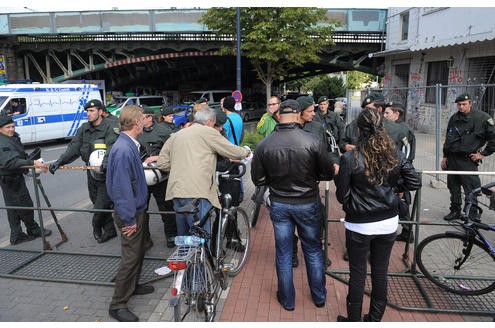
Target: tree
x: 274, y: 39
x: 326, y: 85
x: 357, y: 80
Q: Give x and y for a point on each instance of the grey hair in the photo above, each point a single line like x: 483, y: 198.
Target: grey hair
x: 204, y: 114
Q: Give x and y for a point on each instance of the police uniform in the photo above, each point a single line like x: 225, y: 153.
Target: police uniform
x: 334, y: 127
x: 152, y: 140
x: 466, y: 134
x: 171, y: 127
x: 90, y: 138
x: 15, y: 192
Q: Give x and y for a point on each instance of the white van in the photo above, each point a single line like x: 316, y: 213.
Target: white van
x: 47, y: 111
x: 154, y: 102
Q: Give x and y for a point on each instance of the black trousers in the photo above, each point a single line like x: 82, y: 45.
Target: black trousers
x: 379, y: 247
x: 15, y: 193
x: 454, y: 182
x: 98, y: 194
x: 131, y: 263
x: 158, y: 191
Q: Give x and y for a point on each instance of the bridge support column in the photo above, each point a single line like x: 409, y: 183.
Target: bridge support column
x: 14, y: 66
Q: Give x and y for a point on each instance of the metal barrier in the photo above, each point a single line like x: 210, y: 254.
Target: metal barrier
x: 410, y: 289
x: 55, y: 266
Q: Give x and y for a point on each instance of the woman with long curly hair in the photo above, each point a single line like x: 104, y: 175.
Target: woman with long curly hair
x: 367, y: 183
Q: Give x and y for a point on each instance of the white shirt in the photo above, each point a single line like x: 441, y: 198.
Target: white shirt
x: 383, y: 227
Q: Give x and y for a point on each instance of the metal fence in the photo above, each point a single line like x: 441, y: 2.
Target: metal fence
x: 428, y: 111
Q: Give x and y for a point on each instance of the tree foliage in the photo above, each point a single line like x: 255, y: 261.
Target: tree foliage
x: 274, y: 39
x: 357, y: 80
x: 330, y: 86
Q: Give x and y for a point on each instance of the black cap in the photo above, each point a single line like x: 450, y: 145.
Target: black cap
x: 221, y: 117
x: 289, y: 106
x: 305, y: 102
x: 462, y: 97
x: 94, y: 103
x: 147, y: 110
x: 395, y: 104
x: 5, y: 119
x: 229, y: 103
x: 201, y: 100
x: 165, y: 111
x: 322, y: 99
x: 372, y: 98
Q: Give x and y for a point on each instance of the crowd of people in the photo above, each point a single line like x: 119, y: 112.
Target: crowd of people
x: 141, y: 153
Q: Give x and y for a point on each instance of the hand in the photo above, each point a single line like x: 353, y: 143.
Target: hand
x: 40, y: 165
x: 475, y: 157
x: 151, y: 159
x: 54, y: 166
x: 349, y: 147
x: 129, y: 230
x: 444, y: 163
x: 336, y: 168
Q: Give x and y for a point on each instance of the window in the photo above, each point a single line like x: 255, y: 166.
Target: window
x: 404, y: 18
x: 152, y: 101
x: 438, y: 72
x: 17, y: 106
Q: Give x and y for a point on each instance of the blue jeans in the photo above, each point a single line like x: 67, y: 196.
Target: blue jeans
x: 185, y: 221
x: 307, y: 219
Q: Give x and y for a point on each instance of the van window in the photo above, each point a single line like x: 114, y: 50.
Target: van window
x: 17, y: 106
x: 152, y: 101
x: 218, y: 96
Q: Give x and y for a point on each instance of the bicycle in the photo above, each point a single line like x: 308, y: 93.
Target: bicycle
x: 465, y: 265
x: 198, y: 274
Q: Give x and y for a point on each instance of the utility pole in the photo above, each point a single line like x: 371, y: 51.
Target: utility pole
x: 238, y: 58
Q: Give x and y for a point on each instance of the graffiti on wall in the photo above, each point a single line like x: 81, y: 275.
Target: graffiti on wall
x: 455, y: 76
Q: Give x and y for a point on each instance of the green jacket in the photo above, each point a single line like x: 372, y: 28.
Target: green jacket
x: 467, y: 134
x: 153, y: 138
x: 266, y: 125
x: 12, y: 155
x: 317, y: 129
x: 333, y: 123
x: 82, y: 143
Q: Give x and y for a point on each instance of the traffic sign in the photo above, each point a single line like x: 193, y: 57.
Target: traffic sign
x: 237, y: 96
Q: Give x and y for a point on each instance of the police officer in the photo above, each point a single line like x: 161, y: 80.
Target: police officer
x: 92, y: 142
x: 468, y: 131
x: 332, y: 123
x: 152, y: 139
x: 166, y: 118
x: 109, y: 117
x: 15, y: 192
x: 405, y: 141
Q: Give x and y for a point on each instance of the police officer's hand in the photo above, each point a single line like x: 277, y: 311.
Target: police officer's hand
x: 444, y: 163
x: 54, y: 166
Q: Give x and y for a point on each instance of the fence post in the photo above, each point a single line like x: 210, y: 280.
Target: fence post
x: 438, y: 122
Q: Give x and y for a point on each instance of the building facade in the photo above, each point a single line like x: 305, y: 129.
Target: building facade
x: 450, y: 46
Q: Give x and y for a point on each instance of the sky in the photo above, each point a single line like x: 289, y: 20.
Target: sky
x: 11, y: 6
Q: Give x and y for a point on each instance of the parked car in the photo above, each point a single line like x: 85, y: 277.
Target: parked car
x: 252, y: 111
x: 154, y: 102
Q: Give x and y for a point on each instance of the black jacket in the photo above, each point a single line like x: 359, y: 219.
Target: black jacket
x: 364, y: 202
x: 291, y: 161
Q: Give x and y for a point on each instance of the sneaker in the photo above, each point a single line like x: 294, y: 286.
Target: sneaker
x: 22, y: 237
x: 453, y: 215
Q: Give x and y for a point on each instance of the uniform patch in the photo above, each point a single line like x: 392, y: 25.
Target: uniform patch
x: 490, y: 121
x: 116, y: 130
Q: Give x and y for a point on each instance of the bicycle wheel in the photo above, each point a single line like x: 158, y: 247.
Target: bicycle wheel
x: 197, y: 300
x: 456, y: 264
x: 236, y: 236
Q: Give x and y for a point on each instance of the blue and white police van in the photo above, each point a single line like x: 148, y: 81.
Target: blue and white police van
x: 44, y: 112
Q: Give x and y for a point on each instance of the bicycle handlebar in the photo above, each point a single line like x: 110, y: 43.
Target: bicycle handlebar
x: 229, y: 176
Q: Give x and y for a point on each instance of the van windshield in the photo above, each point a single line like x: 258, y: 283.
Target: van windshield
x: 2, y: 101
x: 117, y: 102
x: 192, y: 97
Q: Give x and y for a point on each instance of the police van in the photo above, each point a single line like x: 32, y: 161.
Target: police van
x: 44, y: 112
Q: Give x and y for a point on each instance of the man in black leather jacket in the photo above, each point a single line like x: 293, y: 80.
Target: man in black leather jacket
x: 291, y: 161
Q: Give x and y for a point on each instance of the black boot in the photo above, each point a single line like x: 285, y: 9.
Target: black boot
x: 377, y: 309
x: 353, y: 312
